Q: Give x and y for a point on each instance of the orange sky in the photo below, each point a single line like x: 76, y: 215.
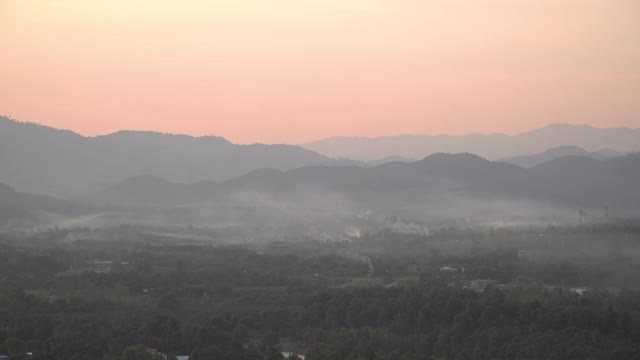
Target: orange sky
x: 292, y: 71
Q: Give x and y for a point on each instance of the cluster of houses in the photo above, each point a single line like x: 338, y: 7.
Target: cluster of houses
x: 457, y: 275
x: 164, y: 356
x: 482, y: 284
x: 6, y: 357
x: 97, y: 266
x: 288, y: 354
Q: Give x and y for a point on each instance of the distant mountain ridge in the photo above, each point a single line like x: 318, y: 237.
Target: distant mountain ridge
x: 490, y: 146
x: 163, y: 168
x: 436, y: 188
x: 43, y: 160
x: 558, y: 152
x: 25, y: 208
x: 570, y: 181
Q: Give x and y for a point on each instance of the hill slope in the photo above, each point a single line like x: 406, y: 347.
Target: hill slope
x: 490, y: 146
x: 27, y: 208
x: 455, y: 184
x: 558, y: 152
x: 40, y: 159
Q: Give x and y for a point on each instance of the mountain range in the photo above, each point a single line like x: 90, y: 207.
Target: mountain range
x: 490, y: 146
x: 457, y: 182
x: 558, y: 152
x: 440, y: 186
x: 151, y: 170
x: 27, y: 209
x: 43, y: 160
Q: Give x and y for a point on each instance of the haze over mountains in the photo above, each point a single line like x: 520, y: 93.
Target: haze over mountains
x: 571, y: 181
x: 43, y: 160
x: 152, y: 178
x: 558, y: 152
x: 489, y: 146
x: 23, y: 209
x: 439, y: 188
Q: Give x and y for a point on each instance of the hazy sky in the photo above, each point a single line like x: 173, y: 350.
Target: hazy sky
x: 298, y: 70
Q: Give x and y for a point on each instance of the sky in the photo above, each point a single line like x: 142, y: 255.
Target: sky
x: 293, y: 71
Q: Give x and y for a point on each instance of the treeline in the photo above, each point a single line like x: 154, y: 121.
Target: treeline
x: 80, y: 329
x: 73, y: 295
x: 372, y: 323
x: 427, y: 323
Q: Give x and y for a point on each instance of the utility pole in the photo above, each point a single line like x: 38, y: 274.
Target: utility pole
x: 606, y: 214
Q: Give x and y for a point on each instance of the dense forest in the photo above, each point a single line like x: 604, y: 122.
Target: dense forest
x: 136, y: 293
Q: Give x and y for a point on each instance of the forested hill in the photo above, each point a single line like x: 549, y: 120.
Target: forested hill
x: 22, y: 208
x: 490, y: 146
x: 571, y: 181
x: 44, y: 160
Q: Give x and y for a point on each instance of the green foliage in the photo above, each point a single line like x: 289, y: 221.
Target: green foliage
x: 15, y: 347
x: 139, y: 352
x: 246, y: 303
